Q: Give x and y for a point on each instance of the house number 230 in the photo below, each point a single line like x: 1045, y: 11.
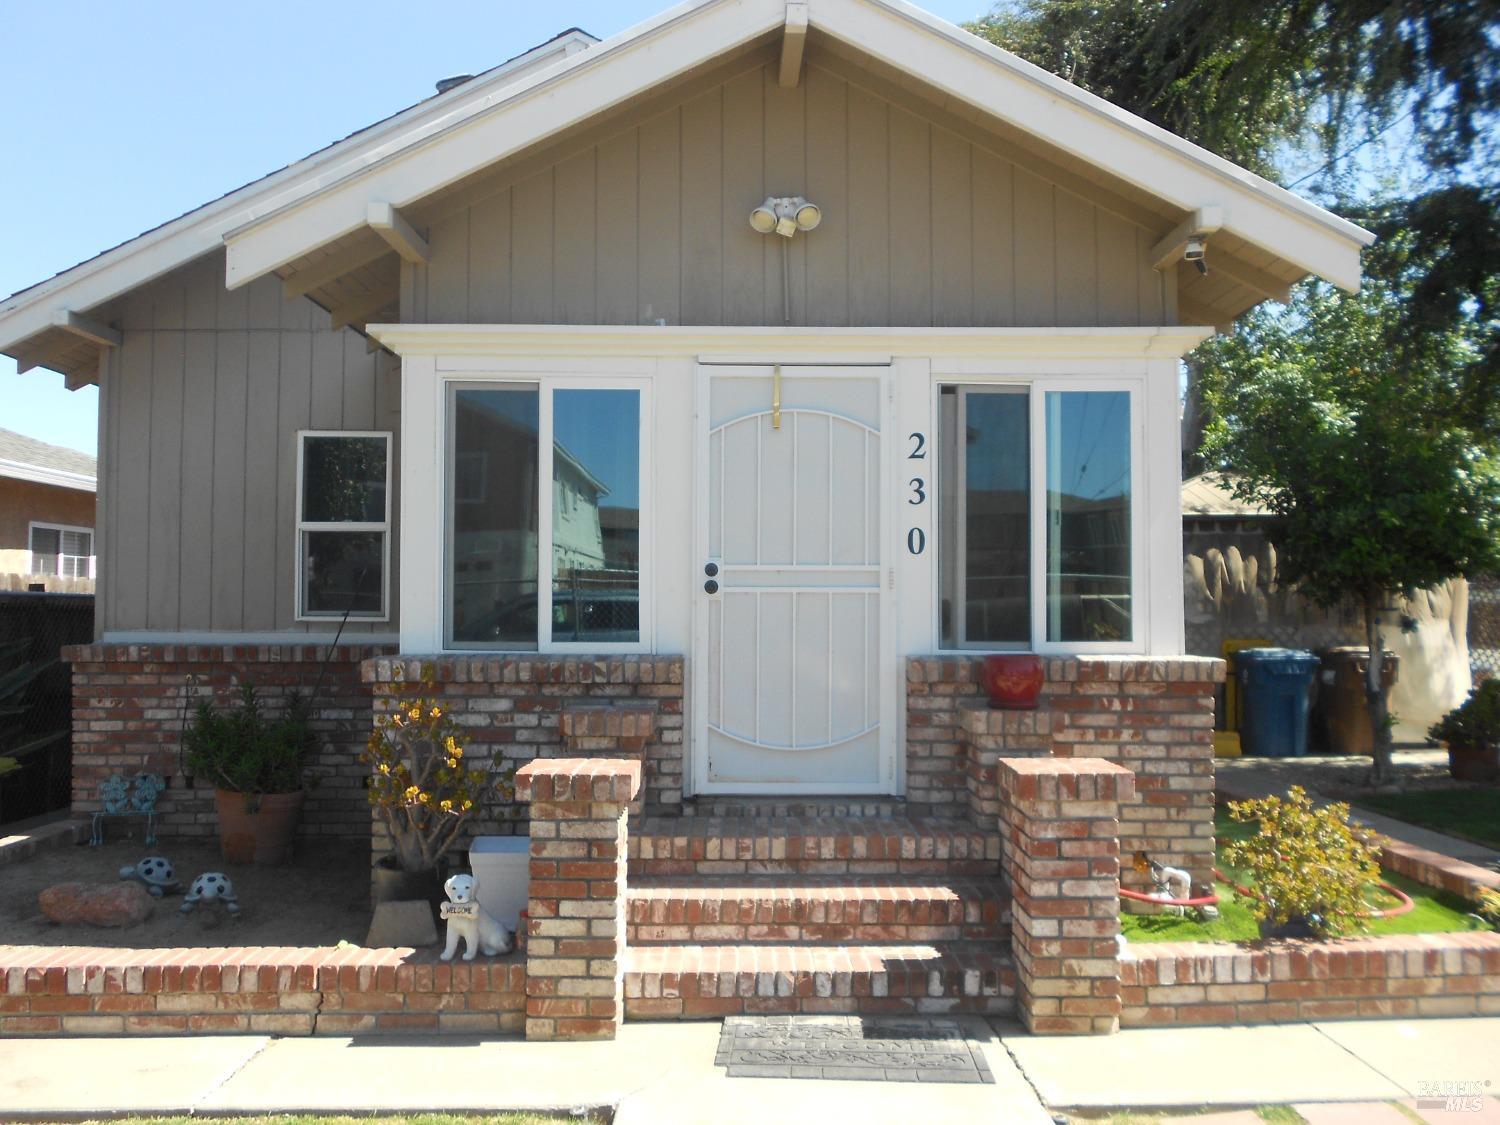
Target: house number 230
x: 916, y: 538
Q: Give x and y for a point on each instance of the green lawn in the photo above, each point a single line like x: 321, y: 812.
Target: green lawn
x: 1436, y: 911
x: 1473, y: 814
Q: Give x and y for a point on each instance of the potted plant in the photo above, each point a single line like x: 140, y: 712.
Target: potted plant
x: 1471, y: 731
x: 1307, y: 867
x: 255, y: 763
x: 425, y: 793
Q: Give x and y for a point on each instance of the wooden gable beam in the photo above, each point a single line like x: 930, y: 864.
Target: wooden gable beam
x: 86, y: 329
x: 389, y: 223
x: 331, y: 268
x: 357, y: 311
x: 1252, y: 277
x: 793, y: 43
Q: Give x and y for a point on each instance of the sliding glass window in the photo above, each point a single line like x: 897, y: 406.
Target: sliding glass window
x: 1034, y: 502
x: 538, y: 473
x: 1088, y: 560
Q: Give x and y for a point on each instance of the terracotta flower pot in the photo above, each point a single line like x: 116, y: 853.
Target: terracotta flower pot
x: 1013, y: 680
x: 1470, y: 763
x: 259, y: 829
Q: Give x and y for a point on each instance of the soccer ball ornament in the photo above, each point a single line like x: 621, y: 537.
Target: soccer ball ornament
x: 209, y: 887
x: 155, y: 874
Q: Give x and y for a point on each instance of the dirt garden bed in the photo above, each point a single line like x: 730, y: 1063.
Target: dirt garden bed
x: 320, y: 899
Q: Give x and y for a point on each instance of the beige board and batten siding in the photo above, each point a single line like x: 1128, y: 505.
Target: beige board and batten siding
x: 927, y: 221
x: 199, y: 417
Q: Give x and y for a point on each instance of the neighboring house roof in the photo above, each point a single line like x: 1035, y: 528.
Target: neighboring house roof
x: 341, y: 207
x: 25, y: 458
x: 1211, y: 495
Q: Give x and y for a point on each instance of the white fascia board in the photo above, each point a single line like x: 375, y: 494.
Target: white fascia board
x: 1157, y: 161
x: 199, y: 232
x: 40, y: 474
x: 655, y: 341
x: 531, y: 109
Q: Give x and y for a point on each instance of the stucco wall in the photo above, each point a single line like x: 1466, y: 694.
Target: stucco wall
x: 21, y: 502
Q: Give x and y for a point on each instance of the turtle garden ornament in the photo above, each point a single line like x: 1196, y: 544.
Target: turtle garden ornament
x: 155, y: 873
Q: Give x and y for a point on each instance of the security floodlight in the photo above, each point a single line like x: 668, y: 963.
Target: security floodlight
x: 785, y: 215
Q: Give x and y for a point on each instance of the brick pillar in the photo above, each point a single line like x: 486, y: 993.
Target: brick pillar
x: 990, y: 734
x: 575, y: 948
x: 617, y: 730
x: 1060, y: 819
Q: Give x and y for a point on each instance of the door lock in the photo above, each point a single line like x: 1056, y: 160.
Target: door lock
x: 710, y: 587
x: 711, y: 569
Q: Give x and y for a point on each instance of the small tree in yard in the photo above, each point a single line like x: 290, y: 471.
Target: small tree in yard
x: 1354, y: 432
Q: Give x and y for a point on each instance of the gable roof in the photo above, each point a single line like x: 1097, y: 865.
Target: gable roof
x: 318, y: 216
x: 26, y: 458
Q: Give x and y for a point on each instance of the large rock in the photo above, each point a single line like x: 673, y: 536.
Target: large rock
x: 97, y: 904
x: 402, y: 923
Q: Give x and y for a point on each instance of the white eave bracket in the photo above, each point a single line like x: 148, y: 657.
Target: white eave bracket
x: 389, y: 223
x: 793, y: 43
x: 1200, y: 225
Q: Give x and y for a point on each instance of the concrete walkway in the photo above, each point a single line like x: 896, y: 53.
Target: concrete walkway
x: 664, y: 1073
x: 1240, y: 778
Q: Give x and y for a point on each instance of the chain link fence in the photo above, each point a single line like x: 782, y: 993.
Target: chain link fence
x: 36, y: 714
x: 1484, y: 628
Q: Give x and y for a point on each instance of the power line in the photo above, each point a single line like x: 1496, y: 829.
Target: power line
x: 1351, y: 151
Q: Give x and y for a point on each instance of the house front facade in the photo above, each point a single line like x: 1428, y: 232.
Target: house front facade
x: 716, y: 394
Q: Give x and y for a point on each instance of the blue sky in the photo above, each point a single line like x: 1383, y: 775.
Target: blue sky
x: 122, y: 116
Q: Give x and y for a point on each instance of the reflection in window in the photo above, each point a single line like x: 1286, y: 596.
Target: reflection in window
x: 985, y: 513
x: 493, y: 542
x: 596, y: 471
x: 1088, y: 516
x: 342, y: 525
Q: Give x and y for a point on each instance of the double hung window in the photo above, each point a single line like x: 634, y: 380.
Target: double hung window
x: 343, y: 524
x: 62, y: 552
x: 544, y: 516
x: 1036, y: 505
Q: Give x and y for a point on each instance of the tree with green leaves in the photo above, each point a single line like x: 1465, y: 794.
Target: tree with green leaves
x: 1379, y: 477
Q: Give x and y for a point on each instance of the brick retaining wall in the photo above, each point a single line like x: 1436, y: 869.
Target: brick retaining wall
x: 130, y: 703
x: 76, y: 990
x: 1169, y: 983
x: 1153, y: 715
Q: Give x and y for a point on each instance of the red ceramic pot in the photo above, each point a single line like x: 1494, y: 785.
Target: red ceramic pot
x: 1013, y: 680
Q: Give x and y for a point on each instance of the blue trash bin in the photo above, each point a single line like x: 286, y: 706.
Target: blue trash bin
x: 1277, y: 691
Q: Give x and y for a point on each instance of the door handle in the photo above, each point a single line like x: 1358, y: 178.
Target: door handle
x: 711, y: 569
x: 710, y: 587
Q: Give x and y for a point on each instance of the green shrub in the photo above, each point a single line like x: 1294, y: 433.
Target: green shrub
x: 1306, y: 863
x: 1475, y: 723
x: 240, y: 749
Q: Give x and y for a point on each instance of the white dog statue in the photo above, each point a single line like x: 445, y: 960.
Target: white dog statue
x: 473, y: 923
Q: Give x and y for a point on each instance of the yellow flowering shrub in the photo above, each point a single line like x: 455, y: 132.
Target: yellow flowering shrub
x: 1489, y: 907
x: 421, y: 784
x: 1306, y: 863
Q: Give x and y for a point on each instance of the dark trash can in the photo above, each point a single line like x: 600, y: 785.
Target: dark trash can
x: 1342, y: 714
x: 1277, y: 690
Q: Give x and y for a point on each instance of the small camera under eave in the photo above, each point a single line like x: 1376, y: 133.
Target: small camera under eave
x: 1196, y: 252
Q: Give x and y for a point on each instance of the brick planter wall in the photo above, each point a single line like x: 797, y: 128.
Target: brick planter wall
x: 1152, y: 715
x: 81, y: 991
x: 130, y: 701
x: 513, y: 707
x: 1170, y: 983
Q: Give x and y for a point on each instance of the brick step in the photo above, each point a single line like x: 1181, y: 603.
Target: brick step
x: 883, y: 808
x: 814, y: 845
x: 816, y: 908
x: 713, y: 981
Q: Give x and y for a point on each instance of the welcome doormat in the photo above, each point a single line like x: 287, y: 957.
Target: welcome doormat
x: 864, y: 1048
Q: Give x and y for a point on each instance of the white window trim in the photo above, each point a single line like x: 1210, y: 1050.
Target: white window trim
x: 46, y: 525
x: 384, y: 528
x: 548, y: 382
x: 1142, y: 595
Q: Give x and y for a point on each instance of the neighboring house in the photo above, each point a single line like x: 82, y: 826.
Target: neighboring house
x: 1234, y: 593
x: 46, y: 516
x: 523, y: 383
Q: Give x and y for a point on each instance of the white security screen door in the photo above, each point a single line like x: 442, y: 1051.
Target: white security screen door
x: 794, y: 686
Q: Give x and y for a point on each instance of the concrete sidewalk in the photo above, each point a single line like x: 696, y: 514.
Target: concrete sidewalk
x: 664, y: 1073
